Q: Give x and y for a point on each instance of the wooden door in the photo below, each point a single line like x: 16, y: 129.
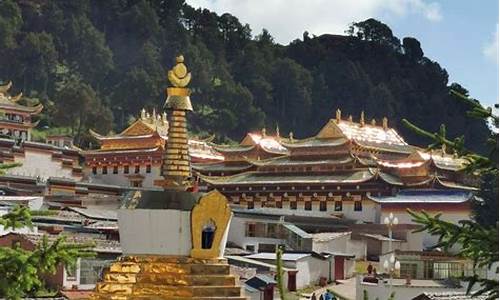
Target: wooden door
x: 339, y: 268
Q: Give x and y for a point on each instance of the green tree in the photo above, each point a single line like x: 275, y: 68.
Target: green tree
x: 477, y: 238
x: 374, y: 31
x: 79, y: 107
x: 10, y: 23
x: 412, y: 48
x: 22, y: 270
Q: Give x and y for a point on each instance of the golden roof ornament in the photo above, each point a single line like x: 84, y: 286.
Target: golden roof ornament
x: 179, y: 76
x: 290, y: 136
x: 263, y: 132
x: 178, y: 94
x: 385, y: 124
x: 362, y: 118
x: 4, y: 88
x: 350, y: 118
x: 374, y: 123
x: 143, y: 114
x: 338, y: 115
x: 443, y: 149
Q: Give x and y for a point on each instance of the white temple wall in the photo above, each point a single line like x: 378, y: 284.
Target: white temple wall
x: 37, y: 163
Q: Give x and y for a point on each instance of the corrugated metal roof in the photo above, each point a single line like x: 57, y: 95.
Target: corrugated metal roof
x: 380, y: 237
x: 98, y: 214
x: 328, y: 236
x: 285, y: 257
x: 297, y: 230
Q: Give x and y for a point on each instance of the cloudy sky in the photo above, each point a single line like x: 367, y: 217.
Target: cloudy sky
x: 462, y: 35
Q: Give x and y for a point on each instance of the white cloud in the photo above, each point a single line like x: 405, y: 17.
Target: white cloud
x: 490, y: 50
x: 288, y: 19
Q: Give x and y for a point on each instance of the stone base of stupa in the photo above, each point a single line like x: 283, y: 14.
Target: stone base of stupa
x: 168, y: 278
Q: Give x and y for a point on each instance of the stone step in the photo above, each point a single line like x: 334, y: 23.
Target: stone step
x: 146, y: 289
x: 171, y: 279
x: 169, y: 267
x: 159, y: 297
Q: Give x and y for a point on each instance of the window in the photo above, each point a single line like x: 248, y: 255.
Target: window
x: 272, y: 231
x: 105, y: 170
x: 250, y: 230
x: 125, y: 169
x: 279, y: 204
x: 137, y: 169
x: 408, y: 270
x: 94, y: 170
x: 148, y: 168
x: 115, y: 170
x: 322, y: 206
x: 358, y: 206
x: 308, y: 205
x: 250, y: 204
x: 338, y: 205
x: 250, y: 248
x: 293, y: 204
x: 136, y: 183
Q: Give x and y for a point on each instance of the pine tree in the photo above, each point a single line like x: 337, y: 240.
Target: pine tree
x: 478, y: 238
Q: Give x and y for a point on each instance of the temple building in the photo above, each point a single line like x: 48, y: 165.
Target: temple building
x: 16, y: 119
x: 349, y: 170
x: 134, y: 156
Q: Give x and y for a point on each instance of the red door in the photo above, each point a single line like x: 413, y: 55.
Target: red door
x: 292, y: 283
x: 339, y: 267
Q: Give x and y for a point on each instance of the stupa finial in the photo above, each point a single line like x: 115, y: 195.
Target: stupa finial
x: 362, y: 118
x: 179, y: 76
x: 338, y: 115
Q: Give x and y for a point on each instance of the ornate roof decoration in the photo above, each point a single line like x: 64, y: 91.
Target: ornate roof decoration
x: 10, y: 102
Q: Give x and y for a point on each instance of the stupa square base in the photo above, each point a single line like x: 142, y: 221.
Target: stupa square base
x: 168, y: 277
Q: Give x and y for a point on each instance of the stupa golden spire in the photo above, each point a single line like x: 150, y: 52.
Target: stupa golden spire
x: 176, y: 168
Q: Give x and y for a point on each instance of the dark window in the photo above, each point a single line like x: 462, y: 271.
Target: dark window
x: 94, y: 170
x: 137, y: 169
x: 322, y: 205
x: 308, y: 205
x: 293, y: 204
x: 250, y: 204
x: 115, y: 170
x: 250, y: 230
x: 136, y: 183
x: 148, y: 168
x: 125, y: 169
x: 272, y: 231
x: 358, y: 206
x: 338, y: 205
x: 104, y: 170
x: 279, y: 204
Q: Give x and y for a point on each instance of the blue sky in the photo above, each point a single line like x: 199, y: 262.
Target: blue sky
x: 462, y: 35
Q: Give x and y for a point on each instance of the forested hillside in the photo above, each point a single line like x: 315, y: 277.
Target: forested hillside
x: 95, y: 64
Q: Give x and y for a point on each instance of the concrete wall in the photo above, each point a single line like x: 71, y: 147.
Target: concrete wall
x: 155, y: 231
x: 335, y: 245
x: 310, y: 270
x: 237, y: 233
x: 357, y: 248
x: 38, y: 163
x: 427, y: 239
x: 121, y: 178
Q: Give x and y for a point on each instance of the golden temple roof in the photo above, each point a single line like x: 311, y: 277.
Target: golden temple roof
x: 8, y: 102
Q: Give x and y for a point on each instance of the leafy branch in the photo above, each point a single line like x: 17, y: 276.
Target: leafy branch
x: 478, y: 243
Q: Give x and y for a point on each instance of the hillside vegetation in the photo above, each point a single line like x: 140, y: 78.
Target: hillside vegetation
x: 95, y: 64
